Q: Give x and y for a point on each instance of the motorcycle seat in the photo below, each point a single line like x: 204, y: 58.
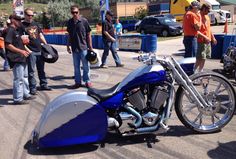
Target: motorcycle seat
x: 102, y: 94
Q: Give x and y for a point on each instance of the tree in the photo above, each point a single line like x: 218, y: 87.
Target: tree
x: 59, y: 11
x: 140, y: 12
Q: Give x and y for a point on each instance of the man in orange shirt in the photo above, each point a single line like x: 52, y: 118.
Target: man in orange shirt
x: 191, y: 25
x: 204, y: 43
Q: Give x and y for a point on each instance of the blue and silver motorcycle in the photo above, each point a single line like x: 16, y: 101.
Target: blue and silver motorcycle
x: 140, y: 104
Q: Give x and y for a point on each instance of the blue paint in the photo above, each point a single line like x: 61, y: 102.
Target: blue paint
x: 113, y: 102
x: 147, y: 78
x: 81, y: 129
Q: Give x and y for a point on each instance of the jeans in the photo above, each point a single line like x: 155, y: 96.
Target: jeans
x: 190, y: 44
x: 77, y: 57
x: 35, y: 59
x: 20, y: 82
x: 110, y: 46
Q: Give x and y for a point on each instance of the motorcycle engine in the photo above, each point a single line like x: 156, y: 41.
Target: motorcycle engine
x: 148, y: 101
x: 230, y: 59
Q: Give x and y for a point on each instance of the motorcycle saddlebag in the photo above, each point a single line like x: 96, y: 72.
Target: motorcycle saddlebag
x: 69, y: 121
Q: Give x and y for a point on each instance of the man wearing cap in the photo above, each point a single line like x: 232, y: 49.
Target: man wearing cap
x: 36, y: 37
x: 204, y: 43
x: 191, y: 26
x: 80, y: 40
x: 17, y: 56
x: 108, y: 35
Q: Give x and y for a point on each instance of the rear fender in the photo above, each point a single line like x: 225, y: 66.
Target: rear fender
x: 72, y: 118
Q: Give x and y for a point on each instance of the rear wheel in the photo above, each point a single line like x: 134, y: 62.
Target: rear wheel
x: 142, y: 31
x: 217, y: 92
x: 125, y: 31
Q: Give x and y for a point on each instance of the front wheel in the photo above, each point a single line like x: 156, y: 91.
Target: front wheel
x: 164, y: 33
x: 217, y: 92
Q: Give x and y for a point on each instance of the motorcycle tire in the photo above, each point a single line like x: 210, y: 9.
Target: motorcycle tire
x: 218, y: 92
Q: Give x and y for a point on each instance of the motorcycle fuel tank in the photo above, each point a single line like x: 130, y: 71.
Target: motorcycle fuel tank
x: 67, y: 120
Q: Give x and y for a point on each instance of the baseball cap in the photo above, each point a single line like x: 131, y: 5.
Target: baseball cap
x: 195, y: 4
x: 109, y: 13
x: 16, y: 17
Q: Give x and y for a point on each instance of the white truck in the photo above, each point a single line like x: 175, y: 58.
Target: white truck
x: 217, y: 15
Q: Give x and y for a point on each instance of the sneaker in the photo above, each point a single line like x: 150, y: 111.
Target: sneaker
x: 29, y: 98
x: 75, y: 86
x: 22, y: 102
x: 88, y: 84
x: 103, y: 66
x: 120, y: 65
x: 45, y: 88
x: 33, y: 92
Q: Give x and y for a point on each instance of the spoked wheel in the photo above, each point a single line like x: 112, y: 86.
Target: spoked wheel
x: 217, y: 92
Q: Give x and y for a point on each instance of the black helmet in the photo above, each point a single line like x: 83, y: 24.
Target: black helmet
x: 49, y: 54
x: 92, y: 57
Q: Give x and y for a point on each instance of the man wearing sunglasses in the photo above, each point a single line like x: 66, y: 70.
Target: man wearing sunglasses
x: 80, y: 40
x: 36, y: 37
x: 17, y: 56
x: 204, y: 42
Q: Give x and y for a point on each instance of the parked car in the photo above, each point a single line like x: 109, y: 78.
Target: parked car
x: 128, y: 25
x: 160, y: 25
x: 167, y: 15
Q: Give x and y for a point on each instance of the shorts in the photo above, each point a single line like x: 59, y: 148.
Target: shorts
x: 203, y: 51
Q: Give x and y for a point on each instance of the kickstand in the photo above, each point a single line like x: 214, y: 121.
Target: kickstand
x: 102, y: 144
x: 151, y: 140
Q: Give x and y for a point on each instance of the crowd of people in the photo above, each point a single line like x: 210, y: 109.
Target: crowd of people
x: 23, y: 39
x: 20, y: 46
x: 197, y: 34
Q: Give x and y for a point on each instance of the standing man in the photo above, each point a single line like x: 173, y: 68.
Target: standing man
x: 17, y: 56
x: 80, y: 40
x: 204, y: 44
x: 108, y: 35
x: 36, y: 37
x: 191, y: 25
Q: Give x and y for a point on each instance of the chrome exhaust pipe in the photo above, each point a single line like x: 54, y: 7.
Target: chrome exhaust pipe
x: 138, y: 120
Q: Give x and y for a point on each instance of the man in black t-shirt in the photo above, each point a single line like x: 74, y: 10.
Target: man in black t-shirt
x: 109, y: 40
x: 17, y: 56
x: 80, y: 40
x: 36, y: 37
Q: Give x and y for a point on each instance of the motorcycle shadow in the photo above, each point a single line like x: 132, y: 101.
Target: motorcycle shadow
x: 112, y: 139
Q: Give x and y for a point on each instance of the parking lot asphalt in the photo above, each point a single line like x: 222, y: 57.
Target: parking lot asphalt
x: 17, y: 121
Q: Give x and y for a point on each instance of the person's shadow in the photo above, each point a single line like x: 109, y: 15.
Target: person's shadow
x: 224, y: 150
x: 5, y: 101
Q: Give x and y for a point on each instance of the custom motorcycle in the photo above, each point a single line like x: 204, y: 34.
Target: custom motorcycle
x: 230, y: 61
x: 140, y: 104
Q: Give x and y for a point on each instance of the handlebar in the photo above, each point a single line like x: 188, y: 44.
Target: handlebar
x: 150, y: 58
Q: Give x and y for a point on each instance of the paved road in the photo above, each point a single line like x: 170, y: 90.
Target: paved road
x: 17, y: 122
